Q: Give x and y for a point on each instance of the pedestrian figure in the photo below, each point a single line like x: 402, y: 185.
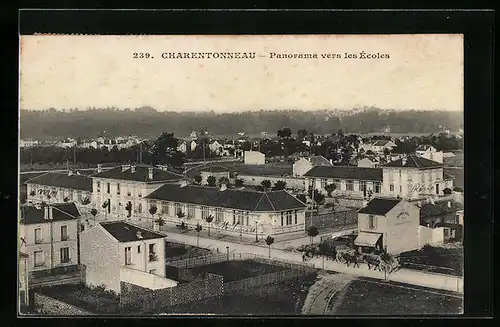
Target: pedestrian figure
x: 217, y: 250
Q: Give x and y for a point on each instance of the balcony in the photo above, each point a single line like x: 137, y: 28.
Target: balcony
x: 153, y: 257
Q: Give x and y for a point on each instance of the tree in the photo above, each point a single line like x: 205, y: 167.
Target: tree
x: 387, y: 151
x: 279, y: 185
x: 160, y: 221
x: 211, y: 181
x: 266, y: 184
x: 302, y: 134
x: 224, y: 180
x: 285, y: 132
x: 301, y: 197
x: 198, y: 229
x: 86, y: 201
x: 164, y: 150
x: 209, y: 220
x: 312, y: 232
x: 329, y: 188
x: 238, y: 182
x: 152, y: 210
x: 66, y: 199
x: 197, y: 179
x: 32, y: 193
x: 93, y: 212
x: 318, y: 197
x: 269, y: 242
x: 447, y: 191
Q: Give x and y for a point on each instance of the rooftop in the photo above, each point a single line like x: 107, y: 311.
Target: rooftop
x: 340, y: 172
x: 439, y: 208
x: 381, y: 142
x: 239, y: 199
x: 379, y: 206
x: 140, y: 174
x: 424, y: 147
x: 125, y: 232
x: 75, y: 182
x: 60, y: 212
x: 319, y: 161
x: 414, y: 161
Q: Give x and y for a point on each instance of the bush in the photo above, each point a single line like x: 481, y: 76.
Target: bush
x: 447, y: 191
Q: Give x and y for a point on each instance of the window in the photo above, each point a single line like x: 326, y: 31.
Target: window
x: 323, y: 183
x: 138, y: 249
x: 377, y: 187
x: 152, y: 271
x: 128, y: 255
x: 79, y: 196
x: 234, y: 217
x: 64, y: 233
x: 296, y: 212
x: 219, y: 215
x: 38, y: 236
x: 39, y: 259
x: 371, y: 221
x: 108, y: 187
x: 190, y: 213
x: 165, y: 208
x: 247, y: 216
x: 152, y: 254
x: 362, y: 186
x: 118, y: 189
x: 391, y: 188
x: 400, y: 189
x: 289, y: 218
x: 139, y: 208
x: 282, y: 218
x: 178, y: 208
x: 98, y: 186
x: 64, y: 254
x: 350, y: 186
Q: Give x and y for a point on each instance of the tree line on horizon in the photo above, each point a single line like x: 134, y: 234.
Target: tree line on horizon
x: 149, y: 123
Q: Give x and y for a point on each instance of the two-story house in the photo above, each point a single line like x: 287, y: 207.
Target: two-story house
x: 122, y: 189
x: 60, y: 187
x: 351, y: 181
x: 116, y: 252
x: 389, y: 224
x: 242, y: 212
x: 49, y: 235
x: 413, y: 177
x: 303, y: 165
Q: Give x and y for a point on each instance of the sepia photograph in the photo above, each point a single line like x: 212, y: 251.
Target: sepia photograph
x: 236, y: 175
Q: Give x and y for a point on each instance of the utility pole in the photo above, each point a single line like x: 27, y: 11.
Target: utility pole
x: 140, y: 153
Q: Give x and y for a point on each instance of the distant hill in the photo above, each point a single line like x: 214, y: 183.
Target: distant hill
x: 147, y: 122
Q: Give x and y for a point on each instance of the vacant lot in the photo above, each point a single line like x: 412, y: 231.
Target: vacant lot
x: 285, y: 298
x: 177, y: 251
x: 237, y: 270
x: 435, y: 259
x: 367, y: 297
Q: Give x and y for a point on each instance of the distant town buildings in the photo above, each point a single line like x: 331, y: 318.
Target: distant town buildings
x: 28, y: 143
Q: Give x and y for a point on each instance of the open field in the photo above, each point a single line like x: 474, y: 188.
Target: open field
x: 370, y: 297
x: 285, y: 298
x: 237, y: 270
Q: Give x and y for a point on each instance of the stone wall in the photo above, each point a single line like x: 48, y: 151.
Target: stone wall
x: 51, y: 306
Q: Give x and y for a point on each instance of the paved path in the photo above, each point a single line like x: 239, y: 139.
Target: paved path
x: 322, y: 291
x: 408, y: 276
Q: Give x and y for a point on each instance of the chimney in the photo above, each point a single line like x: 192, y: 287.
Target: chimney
x: 46, y: 212
x: 331, y: 161
x: 150, y: 172
x: 99, y: 168
x: 449, y: 204
x: 132, y: 168
x: 223, y: 187
x: 403, y: 161
x: 70, y: 173
x: 432, y: 201
x: 138, y: 234
x: 183, y: 183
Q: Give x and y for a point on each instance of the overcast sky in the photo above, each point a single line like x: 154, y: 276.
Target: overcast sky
x: 423, y: 72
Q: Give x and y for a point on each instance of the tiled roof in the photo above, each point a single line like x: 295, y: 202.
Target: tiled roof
x: 75, y: 182
x: 60, y: 212
x: 413, y: 161
x: 355, y: 173
x: 249, y: 200
x: 439, y: 208
x: 124, y: 232
x: 379, y: 206
x: 140, y: 174
x: 319, y: 161
x: 423, y: 147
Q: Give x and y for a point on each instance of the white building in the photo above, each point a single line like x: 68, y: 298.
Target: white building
x: 303, y: 165
x: 414, y: 177
x: 49, y: 234
x: 123, y: 189
x: 254, y: 158
x: 182, y: 147
x: 216, y: 147
x: 116, y: 252
x: 28, y: 143
x: 429, y: 152
x: 368, y: 163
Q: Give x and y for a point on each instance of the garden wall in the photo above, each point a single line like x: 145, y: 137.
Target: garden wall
x: 51, y: 306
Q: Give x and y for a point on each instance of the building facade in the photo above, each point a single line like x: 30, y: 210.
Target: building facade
x: 303, y: 165
x: 414, y: 177
x: 23, y: 280
x: 429, y: 152
x: 254, y: 158
x: 117, y: 251
x: 49, y: 235
x: 243, y: 212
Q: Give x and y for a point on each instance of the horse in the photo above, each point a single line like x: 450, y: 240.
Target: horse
x: 372, y: 261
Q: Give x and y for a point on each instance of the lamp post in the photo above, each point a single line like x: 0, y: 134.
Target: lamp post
x: 256, y: 237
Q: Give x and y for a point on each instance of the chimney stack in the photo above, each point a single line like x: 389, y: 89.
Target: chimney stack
x: 99, y: 168
x: 183, y: 183
x: 138, y: 234
x: 46, y: 212
x: 70, y: 173
x: 403, y: 161
x: 150, y: 172
x: 132, y: 168
x: 223, y: 187
x: 331, y: 161
x: 449, y: 204
x: 124, y: 167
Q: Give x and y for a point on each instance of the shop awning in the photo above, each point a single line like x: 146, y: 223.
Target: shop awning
x: 367, y: 239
